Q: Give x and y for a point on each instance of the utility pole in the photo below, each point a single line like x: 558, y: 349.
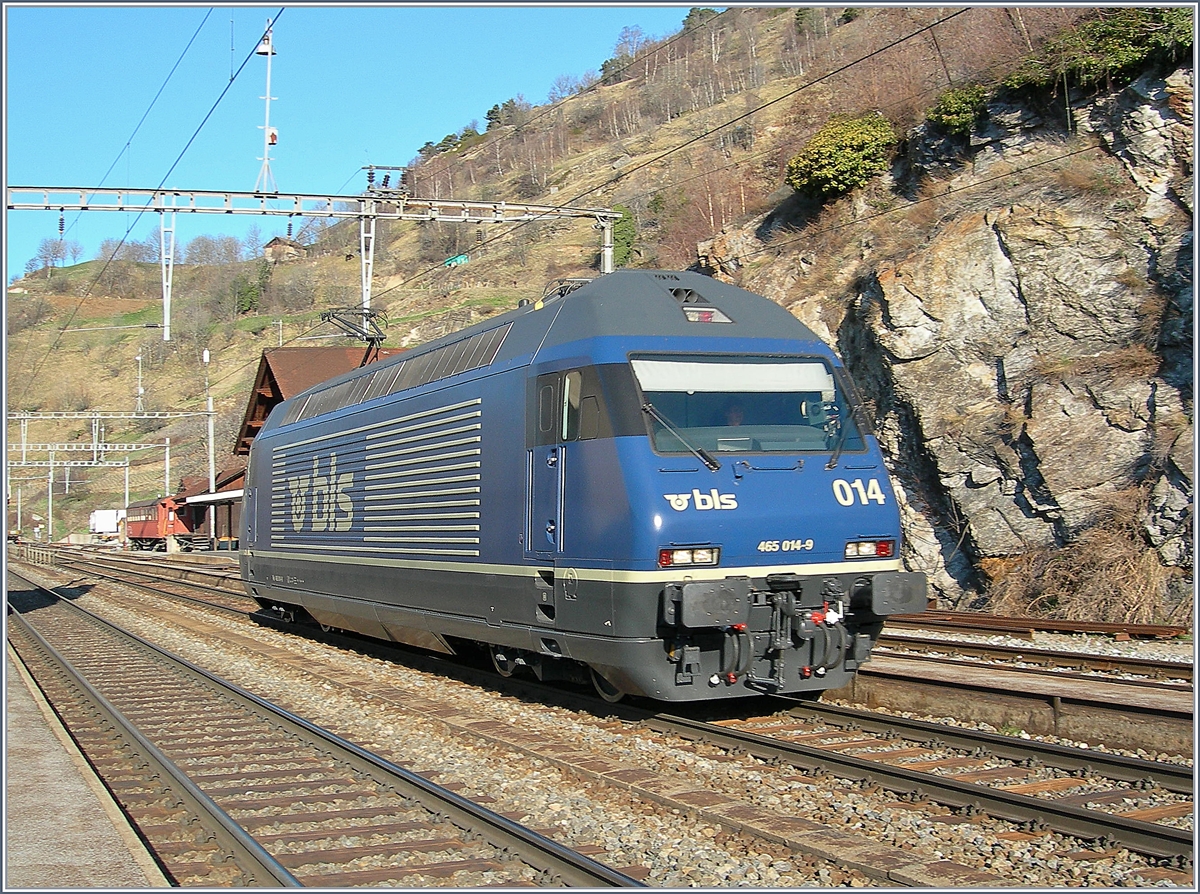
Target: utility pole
x: 265, y: 182
x: 138, y: 406
x: 50, y: 500
x: 167, y: 262
x: 211, y: 510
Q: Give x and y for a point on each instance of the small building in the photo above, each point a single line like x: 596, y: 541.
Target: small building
x: 280, y: 250
x: 285, y: 372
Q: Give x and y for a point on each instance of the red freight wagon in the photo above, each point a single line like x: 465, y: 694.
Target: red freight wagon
x: 148, y: 524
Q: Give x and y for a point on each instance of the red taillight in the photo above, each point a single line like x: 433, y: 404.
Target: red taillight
x: 664, y: 558
x: 871, y: 549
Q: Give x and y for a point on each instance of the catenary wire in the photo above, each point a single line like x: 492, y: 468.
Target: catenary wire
x: 625, y: 173
x: 129, y: 141
x: 88, y: 289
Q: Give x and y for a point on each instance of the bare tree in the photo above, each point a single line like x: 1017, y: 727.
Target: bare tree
x: 253, y: 241
x: 50, y: 252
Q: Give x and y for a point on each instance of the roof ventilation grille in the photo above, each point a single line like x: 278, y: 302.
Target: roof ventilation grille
x: 688, y: 296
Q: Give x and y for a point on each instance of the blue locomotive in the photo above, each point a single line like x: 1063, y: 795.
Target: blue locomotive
x: 652, y: 479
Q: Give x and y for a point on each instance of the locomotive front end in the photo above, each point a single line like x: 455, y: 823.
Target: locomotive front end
x: 773, y: 524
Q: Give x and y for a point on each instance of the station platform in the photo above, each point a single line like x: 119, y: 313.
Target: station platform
x: 62, y: 828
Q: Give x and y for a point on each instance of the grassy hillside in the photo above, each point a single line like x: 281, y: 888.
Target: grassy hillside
x: 692, y: 133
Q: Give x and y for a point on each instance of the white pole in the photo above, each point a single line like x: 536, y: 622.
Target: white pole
x: 266, y: 182
x: 167, y: 262
x: 167, y: 470
x: 606, y: 246
x: 50, y: 501
x: 366, y: 244
x: 210, y: 510
x: 138, y: 406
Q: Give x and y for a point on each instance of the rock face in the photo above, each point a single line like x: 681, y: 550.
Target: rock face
x: 1031, y: 361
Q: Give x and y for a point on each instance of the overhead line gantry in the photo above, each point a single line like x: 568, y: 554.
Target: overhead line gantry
x: 376, y: 204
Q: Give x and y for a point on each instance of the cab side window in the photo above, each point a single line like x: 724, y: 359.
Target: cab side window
x: 568, y: 408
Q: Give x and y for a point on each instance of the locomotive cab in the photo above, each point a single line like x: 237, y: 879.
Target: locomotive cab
x: 759, y: 554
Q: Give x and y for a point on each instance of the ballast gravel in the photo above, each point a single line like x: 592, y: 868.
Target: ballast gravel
x: 674, y: 848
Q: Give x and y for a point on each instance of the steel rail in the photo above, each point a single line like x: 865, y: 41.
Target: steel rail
x: 108, y: 574
x: 1145, y: 838
x: 557, y: 861
x: 1004, y: 624
x: 1173, y: 777
x: 260, y: 867
x: 1128, y: 664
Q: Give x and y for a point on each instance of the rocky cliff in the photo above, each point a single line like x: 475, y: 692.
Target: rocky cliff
x: 1019, y: 318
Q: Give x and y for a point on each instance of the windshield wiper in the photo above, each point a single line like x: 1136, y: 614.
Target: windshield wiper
x: 837, y: 446
x: 699, y: 452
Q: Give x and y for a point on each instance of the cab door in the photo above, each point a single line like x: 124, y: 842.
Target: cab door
x: 546, y: 468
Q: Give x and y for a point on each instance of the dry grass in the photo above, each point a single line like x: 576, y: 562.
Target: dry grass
x: 1133, y: 361
x: 1109, y: 573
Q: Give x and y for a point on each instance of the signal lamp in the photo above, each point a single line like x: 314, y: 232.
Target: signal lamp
x: 705, y: 315
x: 672, y: 558
x: 871, y: 549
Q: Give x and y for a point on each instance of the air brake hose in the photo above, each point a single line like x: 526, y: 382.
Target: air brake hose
x: 745, y: 652
x: 728, y: 645
x: 735, y: 651
x: 824, y: 647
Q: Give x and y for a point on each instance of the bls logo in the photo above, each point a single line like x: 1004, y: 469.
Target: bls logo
x: 332, y: 509
x: 710, y: 500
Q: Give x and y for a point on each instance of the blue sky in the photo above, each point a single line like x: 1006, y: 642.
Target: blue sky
x: 350, y: 86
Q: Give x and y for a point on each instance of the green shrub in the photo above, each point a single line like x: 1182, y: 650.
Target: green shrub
x: 1115, y: 43
x: 843, y: 155
x: 957, y: 110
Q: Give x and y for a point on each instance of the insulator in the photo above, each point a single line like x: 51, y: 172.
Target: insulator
x: 386, y: 177
x: 478, y: 236
x: 370, y: 176
x: 289, y: 235
x: 61, y: 222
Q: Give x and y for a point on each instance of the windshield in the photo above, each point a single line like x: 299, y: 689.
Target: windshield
x: 760, y: 405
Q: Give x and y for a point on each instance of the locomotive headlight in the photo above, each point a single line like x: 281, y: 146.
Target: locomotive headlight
x: 669, y: 558
x: 871, y: 549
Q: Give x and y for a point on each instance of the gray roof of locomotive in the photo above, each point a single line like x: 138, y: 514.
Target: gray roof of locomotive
x: 630, y: 303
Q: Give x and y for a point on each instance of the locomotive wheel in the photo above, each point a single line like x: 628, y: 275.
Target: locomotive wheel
x: 505, y: 662
x: 604, y: 688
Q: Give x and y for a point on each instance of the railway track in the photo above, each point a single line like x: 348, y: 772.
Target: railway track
x: 230, y: 790
x: 1082, y: 697
x: 221, y: 590
x: 1178, y: 674
x: 1103, y: 798
x: 1013, y: 626
x: 914, y: 792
